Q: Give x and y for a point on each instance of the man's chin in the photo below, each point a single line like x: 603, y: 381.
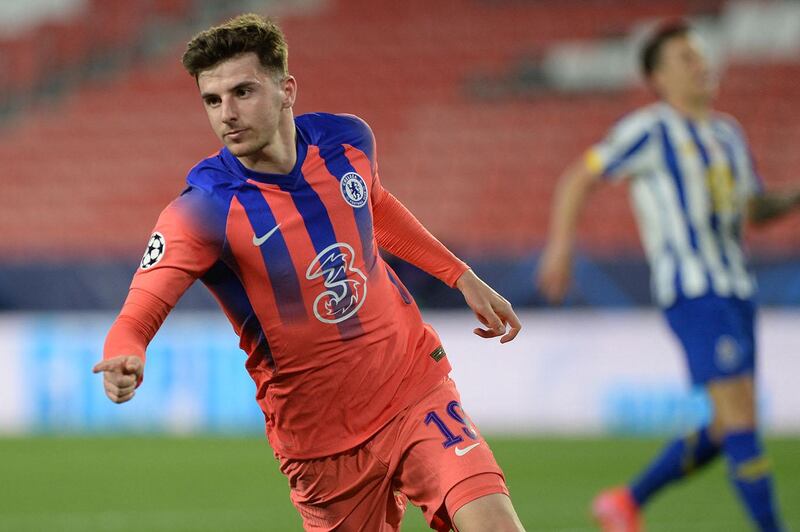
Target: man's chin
x: 240, y: 149
x: 702, y: 97
x: 708, y: 97
x: 709, y: 90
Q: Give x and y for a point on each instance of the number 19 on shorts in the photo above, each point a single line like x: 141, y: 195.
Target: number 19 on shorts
x: 455, y: 412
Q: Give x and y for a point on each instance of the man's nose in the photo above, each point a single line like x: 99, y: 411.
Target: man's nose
x: 229, y: 111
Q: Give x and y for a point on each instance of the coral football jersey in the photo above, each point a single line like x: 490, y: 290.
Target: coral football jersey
x: 335, y: 343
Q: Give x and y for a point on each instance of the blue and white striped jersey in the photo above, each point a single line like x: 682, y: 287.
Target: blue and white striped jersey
x: 689, y: 185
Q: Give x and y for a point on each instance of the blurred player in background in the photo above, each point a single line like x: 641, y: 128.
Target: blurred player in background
x: 283, y: 226
x: 692, y: 183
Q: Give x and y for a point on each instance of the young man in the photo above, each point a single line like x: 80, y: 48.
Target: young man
x: 692, y: 181
x: 283, y: 225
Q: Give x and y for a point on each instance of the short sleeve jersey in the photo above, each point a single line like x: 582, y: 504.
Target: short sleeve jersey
x: 690, y: 182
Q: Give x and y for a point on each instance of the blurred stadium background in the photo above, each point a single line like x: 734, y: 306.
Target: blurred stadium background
x: 477, y: 105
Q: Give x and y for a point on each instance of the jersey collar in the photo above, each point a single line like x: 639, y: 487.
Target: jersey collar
x: 283, y: 180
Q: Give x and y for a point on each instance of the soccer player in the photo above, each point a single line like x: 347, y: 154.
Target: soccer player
x: 283, y: 225
x: 692, y: 182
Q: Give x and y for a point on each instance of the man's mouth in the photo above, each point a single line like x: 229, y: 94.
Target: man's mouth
x: 235, y: 133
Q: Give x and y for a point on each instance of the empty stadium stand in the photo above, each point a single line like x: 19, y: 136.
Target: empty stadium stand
x: 85, y: 175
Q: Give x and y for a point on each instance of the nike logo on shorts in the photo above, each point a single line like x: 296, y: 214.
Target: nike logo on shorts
x: 257, y: 241
x: 465, y: 450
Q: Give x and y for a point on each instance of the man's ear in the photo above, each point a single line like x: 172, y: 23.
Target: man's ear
x: 289, y: 87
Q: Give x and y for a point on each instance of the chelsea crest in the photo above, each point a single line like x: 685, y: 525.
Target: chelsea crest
x: 354, y: 189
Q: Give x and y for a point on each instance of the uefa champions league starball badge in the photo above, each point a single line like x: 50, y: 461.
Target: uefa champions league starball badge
x: 155, y: 250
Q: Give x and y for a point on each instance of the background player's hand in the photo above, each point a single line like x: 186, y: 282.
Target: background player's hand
x: 554, y: 274
x: 121, y: 375
x: 491, y: 309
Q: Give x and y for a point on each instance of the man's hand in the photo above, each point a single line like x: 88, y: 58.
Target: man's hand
x: 769, y: 206
x: 554, y: 274
x: 120, y: 376
x: 491, y: 308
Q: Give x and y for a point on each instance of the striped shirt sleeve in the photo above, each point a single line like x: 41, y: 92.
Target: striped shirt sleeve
x: 624, y: 151
x: 181, y: 249
x: 742, y: 155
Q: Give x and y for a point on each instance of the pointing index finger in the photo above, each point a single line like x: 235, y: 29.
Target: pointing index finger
x: 105, y: 365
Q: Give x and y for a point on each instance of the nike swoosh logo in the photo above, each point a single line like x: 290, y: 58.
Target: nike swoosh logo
x: 465, y: 450
x: 257, y: 241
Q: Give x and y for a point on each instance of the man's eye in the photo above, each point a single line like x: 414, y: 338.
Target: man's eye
x: 244, y: 92
x: 212, y: 101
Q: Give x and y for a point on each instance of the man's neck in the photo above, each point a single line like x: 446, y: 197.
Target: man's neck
x: 692, y: 109
x: 280, y: 155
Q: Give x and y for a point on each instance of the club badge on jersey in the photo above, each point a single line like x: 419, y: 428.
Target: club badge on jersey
x: 354, y: 190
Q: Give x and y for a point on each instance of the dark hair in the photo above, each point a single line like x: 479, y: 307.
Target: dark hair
x: 242, y: 34
x: 651, y: 53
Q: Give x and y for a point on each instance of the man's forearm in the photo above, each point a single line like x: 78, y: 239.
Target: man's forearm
x: 137, y: 324
x: 401, y: 234
x: 570, y: 196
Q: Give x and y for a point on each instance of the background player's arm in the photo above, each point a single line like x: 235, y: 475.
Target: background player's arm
x: 623, y: 153
x: 762, y: 205
x: 401, y: 234
x: 555, y: 266
x: 768, y: 206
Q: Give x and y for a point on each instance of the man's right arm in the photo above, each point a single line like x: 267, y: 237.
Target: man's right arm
x: 124, y: 350
x: 555, y: 266
x: 624, y: 152
x: 184, y: 245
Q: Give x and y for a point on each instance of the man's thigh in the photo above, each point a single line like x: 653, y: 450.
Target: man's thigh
x: 717, y: 335
x: 441, y: 452
x: 490, y: 512
x: 345, y: 492
x: 431, y: 453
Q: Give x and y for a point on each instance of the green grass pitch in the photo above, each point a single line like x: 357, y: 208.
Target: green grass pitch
x: 157, y: 484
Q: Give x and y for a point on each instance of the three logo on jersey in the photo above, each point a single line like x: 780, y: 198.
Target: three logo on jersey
x: 345, y: 284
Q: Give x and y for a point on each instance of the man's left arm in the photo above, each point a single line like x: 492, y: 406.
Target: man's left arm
x: 762, y: 205
x: 766, y: 206
x: 401, y: 234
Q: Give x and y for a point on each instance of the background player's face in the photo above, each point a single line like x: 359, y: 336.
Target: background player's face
x: 245, y: 103
x: 683, y: 72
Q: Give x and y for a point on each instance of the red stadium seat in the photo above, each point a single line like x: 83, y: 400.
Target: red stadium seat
x: 479, y: 173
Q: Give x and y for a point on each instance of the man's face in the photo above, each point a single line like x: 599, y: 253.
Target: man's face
x: 245, y: 103
x: 683, y: 72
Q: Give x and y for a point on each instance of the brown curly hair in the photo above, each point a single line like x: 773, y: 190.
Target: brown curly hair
x: 242, y: 34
